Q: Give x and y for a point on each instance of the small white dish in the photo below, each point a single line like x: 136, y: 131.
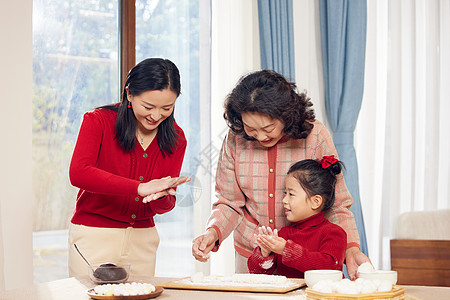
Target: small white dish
x: 314, y: 276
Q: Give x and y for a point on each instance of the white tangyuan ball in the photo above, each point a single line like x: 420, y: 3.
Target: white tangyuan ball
x: 360, y: 280
x: 334, y: 285
x: 344, y: 289
x: 346, y: 286
x: 366, y: 267
x: 359, y: 283
x: 346, y: 281
x: 323, y: 286
x: 385, y: 286
x: 368, y: 287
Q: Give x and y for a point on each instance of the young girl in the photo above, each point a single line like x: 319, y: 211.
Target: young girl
x: 311, y: 241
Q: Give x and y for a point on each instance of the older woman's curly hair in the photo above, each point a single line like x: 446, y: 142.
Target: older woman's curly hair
x: 269, y: 93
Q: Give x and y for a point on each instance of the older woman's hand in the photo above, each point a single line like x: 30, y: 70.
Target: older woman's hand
x: 353, y: 259
x: 203, y: 244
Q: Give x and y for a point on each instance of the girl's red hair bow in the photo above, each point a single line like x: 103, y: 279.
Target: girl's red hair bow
x: 327, y: 161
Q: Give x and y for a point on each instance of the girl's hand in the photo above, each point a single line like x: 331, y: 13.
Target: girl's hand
x: 276, y: 244
x: 264, y: 251
x: 265, y: 232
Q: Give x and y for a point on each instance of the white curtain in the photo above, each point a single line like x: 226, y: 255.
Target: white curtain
x: 308, y: 55
x: 234, y: 52
x: 402, y: 136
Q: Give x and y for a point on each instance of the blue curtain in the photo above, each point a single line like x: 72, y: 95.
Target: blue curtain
x: 343, y: 34
x: 276, y: 35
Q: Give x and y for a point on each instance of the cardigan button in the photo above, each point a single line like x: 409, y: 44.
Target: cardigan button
x: 271, y: 170
x: 271, y: 195
x: 271, y: 221
x: 141, y: 177
x: 145, y: 155
x: 133, y: 216
x: 136, y: 199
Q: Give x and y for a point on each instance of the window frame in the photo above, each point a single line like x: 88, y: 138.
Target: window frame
x: 127, y: 38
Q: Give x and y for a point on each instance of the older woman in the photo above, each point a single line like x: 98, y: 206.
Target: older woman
x: 271, y: 127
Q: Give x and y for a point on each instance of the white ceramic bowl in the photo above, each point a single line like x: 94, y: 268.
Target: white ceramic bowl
x: 381, y: 275
x: 314, y: 276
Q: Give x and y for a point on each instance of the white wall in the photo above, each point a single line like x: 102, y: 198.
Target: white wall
x: 16, y: 263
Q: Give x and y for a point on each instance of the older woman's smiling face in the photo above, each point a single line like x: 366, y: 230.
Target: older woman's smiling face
x: 264, y: 129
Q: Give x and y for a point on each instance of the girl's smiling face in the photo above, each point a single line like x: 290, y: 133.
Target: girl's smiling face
x: 298, y: 206
x: 152, y: 107
x: 264, y: 129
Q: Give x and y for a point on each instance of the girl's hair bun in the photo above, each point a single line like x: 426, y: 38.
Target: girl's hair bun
x: 335, y: 168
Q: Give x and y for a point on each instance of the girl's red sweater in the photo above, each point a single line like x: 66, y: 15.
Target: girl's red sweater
x: 313, y: 243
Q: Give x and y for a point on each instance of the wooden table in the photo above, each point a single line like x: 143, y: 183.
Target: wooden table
x: 76, y: 289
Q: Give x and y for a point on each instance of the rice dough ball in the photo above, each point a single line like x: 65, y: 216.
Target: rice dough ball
x: 366, y: 267
x: 368, y: 287
x: 385, y: 286
x: 197, y: 277
x: 323, y: 286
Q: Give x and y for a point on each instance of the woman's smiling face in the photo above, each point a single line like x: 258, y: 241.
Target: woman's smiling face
x: 152, y: 107
x: 264, y: 129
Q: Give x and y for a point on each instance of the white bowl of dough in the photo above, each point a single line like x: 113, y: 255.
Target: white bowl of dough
x: 367, y: 271
x: 314, y: 276
x: 381, y: 275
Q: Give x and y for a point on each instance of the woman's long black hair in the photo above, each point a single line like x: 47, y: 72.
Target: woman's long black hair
x: 149, y: 74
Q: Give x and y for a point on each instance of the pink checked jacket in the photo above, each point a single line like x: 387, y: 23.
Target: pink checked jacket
x: 250, y: 186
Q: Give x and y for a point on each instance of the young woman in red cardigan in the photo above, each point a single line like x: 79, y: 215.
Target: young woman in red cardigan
x: 272, y: 125
x: 310, y: 242
x: 126, y: 164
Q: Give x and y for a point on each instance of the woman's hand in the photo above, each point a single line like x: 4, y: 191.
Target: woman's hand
x: 158, y: 188
x: 353, y: 259
x: 158, y: 195
x: 203, y: 244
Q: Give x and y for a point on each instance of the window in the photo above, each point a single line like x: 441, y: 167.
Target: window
x: 170, y: 29
x: 76, y: 68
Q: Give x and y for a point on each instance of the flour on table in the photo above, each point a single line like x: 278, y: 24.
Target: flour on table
x: 251, y: 280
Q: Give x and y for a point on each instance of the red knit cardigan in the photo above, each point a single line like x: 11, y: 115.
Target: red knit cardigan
x: 108, y: 177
